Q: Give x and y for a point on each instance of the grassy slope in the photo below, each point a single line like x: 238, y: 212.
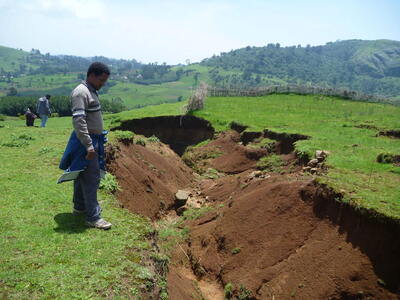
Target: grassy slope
x: 137, y: 94
x: 46, y: 252
x: 11, y: 58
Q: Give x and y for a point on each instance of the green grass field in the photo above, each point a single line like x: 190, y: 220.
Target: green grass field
x: 46, y: 252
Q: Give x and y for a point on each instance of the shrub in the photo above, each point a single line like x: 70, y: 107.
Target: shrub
x: 196, y: 100
x: 109, y: 183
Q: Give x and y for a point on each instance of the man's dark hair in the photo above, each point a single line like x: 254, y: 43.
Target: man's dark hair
x: 48, y: 96
x: 98, y: 68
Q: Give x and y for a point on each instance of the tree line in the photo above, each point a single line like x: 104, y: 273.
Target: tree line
x: 343, y: 64
x: 14, y: 106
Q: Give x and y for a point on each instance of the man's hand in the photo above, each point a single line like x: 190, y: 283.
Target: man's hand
x: 91, y: 154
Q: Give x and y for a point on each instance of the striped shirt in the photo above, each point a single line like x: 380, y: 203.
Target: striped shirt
x: 86, y: 113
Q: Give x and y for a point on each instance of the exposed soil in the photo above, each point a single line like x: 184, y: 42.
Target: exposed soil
x: 270, y: 235
x: 148, y: 176
x: 176, y: 131
x: 283, y: 237
x: 225, y: 154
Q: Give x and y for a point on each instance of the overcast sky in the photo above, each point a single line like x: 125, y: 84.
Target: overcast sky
x: 175, y: 30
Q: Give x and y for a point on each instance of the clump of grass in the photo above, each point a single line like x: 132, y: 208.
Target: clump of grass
x: 271, y: 163
x: 201, y: 144
x: 236, y: 250
x: 265, y: 143
x: 2, y: 117
x: 141, y: 142
x: 18, y: 140
x: 170, y: 234
x: 22, y: 136
x: 153, y: 139
x: 109, y: 183
x: 123, y: 136
x: 192, y: 158
x: 211, y: 173
x: 244, y: 294
x: 195, y: 213
x: 45, y: 150
x: 228, y: 290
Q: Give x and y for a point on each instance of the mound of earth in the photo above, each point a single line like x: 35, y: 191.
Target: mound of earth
x: 225, y: 154
x: 277, y: 238
x: 149, y: 177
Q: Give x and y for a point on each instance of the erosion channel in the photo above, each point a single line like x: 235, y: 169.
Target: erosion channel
x: 258, y: 225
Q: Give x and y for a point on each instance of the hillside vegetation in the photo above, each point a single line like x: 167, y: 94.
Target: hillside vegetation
x: 370, y: 67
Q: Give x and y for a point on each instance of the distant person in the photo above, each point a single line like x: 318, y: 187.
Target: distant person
x: 85, y: 150
x: 43, y: 109
x: 30, y: 117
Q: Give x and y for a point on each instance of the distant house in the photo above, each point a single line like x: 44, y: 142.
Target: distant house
x: 140, y: 76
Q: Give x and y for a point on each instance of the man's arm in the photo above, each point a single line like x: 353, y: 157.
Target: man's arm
x: 78, y: 101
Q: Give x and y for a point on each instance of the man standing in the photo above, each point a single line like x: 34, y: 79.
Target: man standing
x: 87, y: 121
x: 43, y: 109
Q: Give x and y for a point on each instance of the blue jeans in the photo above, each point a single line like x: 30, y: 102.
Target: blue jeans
x: 85, y: 191
x: 44, y: 120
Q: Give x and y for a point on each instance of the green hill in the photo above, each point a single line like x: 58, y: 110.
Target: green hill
x: 371, y: 67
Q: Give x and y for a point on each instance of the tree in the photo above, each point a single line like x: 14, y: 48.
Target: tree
x: 12, y: 91
x: 80, y: 76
